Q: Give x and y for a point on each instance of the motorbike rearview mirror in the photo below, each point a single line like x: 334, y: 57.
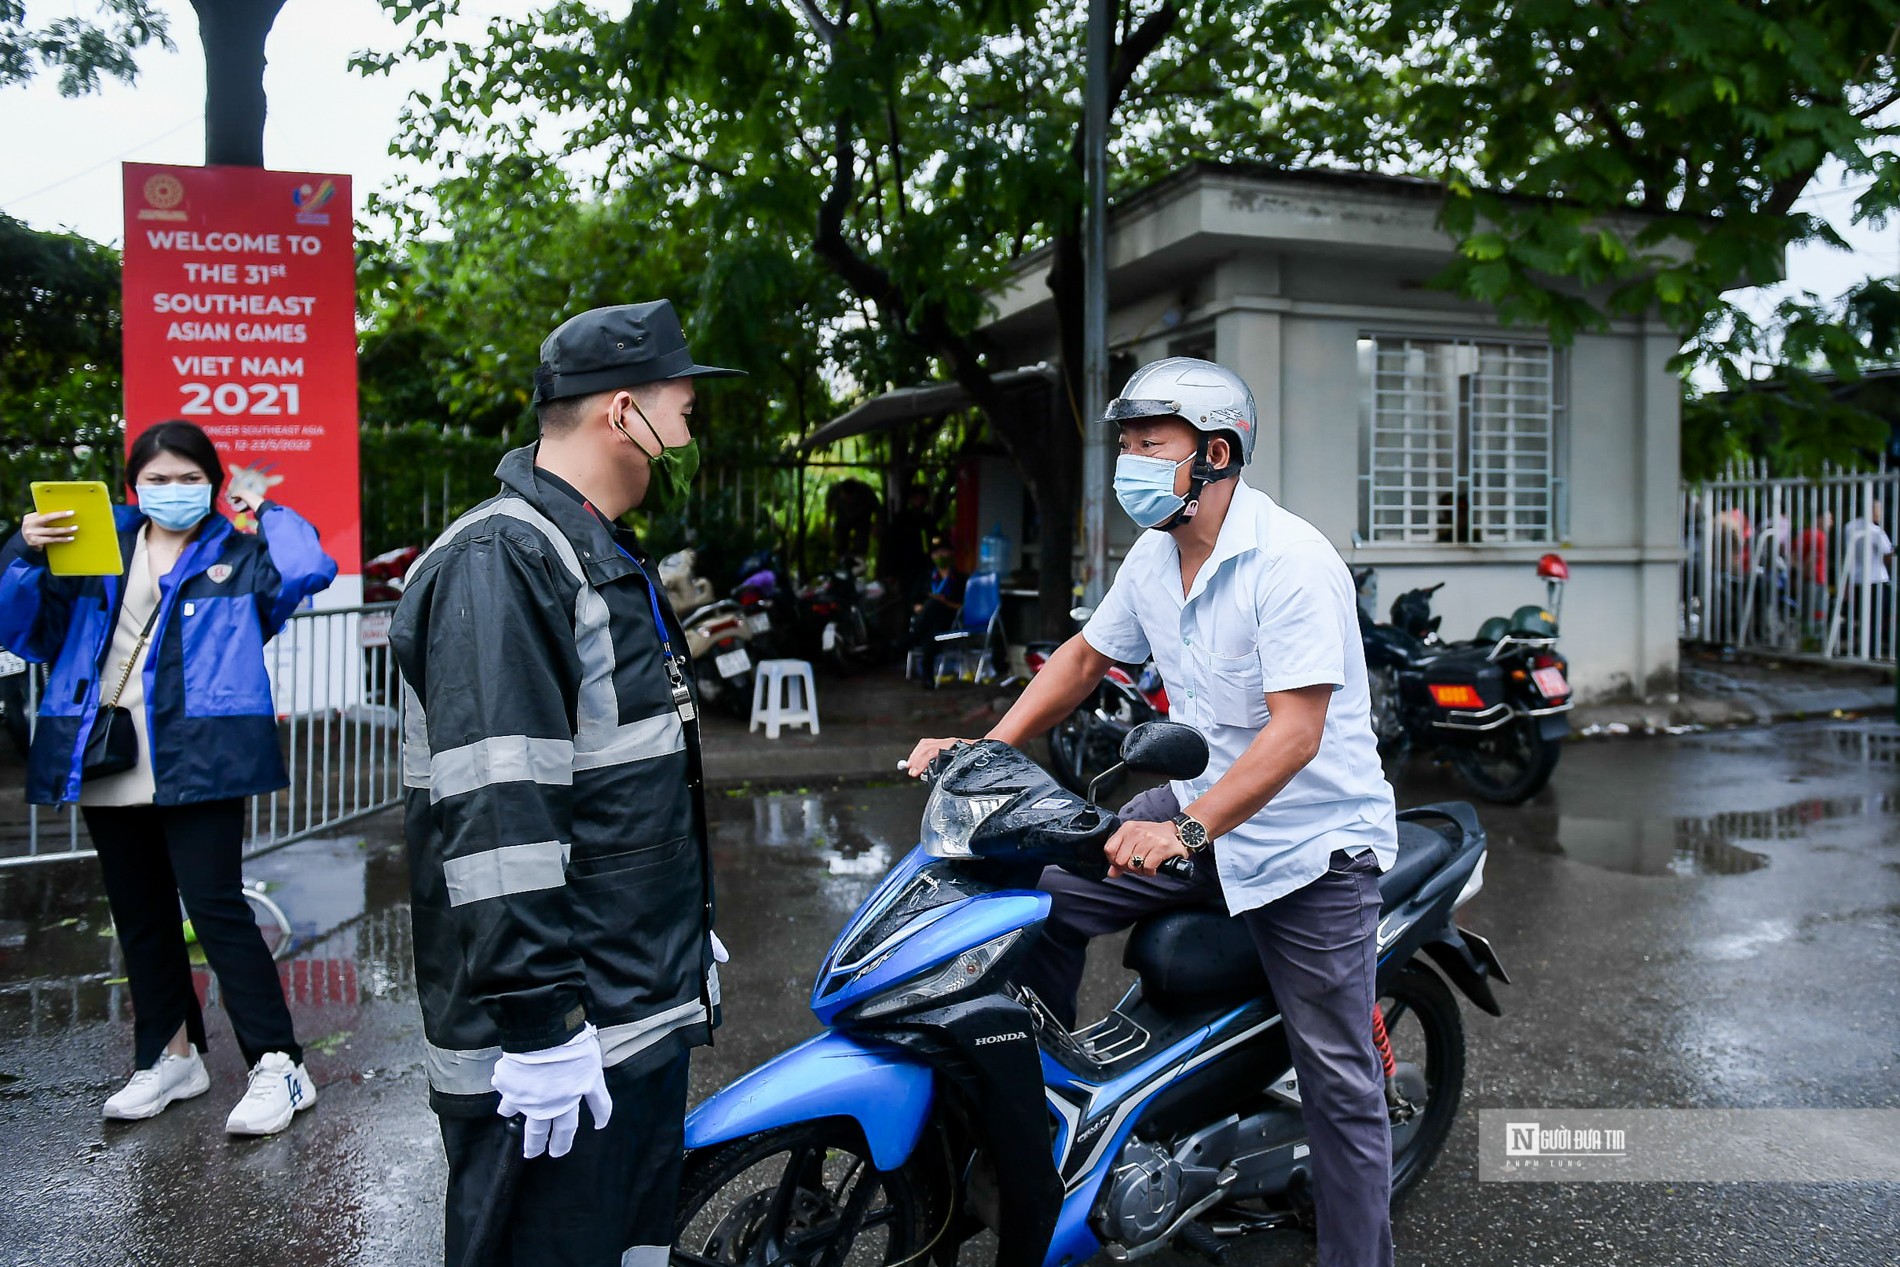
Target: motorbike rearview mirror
x: 1159, y: 747
x: 1167, y: 748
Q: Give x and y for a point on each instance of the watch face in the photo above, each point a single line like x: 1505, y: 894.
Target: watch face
x: 1192, y: 834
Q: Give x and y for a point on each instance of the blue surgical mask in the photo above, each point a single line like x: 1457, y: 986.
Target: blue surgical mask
x: 175, y: 506
x: 1145, y: 488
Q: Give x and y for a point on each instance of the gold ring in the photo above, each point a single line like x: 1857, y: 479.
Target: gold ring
x: 1137, y: 861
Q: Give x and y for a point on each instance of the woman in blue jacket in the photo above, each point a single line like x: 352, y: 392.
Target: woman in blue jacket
x: 179, y: 641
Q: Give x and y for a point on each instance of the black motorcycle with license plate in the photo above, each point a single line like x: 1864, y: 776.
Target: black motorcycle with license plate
x: 1494, y: 707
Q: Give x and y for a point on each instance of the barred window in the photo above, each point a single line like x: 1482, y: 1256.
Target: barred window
x: 1460, y: 441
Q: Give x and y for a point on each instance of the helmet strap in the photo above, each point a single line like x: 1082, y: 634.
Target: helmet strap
x: 1200, y: 475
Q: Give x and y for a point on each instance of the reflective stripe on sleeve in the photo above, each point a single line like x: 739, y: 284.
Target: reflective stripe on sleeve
x: 509, y: 869
x: 415, y: 740
x: 501, y: 759
x: 636, y: 741
x: 621, y: 1042
x: 453, y: 1072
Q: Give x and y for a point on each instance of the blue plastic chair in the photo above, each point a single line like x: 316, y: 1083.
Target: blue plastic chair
x: 979, y: 620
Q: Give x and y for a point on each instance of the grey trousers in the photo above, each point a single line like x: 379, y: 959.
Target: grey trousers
x: 1319, y: 948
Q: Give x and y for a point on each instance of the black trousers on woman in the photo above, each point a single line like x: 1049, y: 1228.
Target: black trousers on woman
x: 151, y: 856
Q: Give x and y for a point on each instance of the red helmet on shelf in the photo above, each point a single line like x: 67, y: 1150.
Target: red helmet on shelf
x: 1553, y: 568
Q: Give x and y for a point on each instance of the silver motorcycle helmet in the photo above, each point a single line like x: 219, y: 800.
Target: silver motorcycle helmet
x: 1208, y: 397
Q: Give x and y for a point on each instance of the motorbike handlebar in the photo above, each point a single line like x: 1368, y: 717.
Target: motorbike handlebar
x: 1179, y: 868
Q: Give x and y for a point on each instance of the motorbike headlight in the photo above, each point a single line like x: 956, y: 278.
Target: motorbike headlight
x: 966, y: 969
x: 950, y: 820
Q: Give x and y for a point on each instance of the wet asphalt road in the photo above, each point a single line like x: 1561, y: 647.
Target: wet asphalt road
x: 1705, y: 921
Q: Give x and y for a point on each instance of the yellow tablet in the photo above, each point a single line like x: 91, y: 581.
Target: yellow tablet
x: 94, y: 550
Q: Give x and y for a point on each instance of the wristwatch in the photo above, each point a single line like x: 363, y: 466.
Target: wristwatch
x: 1188, y: 830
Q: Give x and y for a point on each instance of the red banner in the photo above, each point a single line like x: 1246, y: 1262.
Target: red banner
x: 240, y: 316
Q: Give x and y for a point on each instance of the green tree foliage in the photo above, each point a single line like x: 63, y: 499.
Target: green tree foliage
x: 898, y: 157
x: 59, y: 362
x: 458, y: 296
x: 81, y: 50
x: 1603, y: 162
x: 1550, y: 121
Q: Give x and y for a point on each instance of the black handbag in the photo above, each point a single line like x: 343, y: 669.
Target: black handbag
x: 113, y: 745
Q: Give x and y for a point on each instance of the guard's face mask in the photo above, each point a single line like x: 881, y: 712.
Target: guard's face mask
x: 1145, y: 488
x: 175, y: 506
x: 669, y: 472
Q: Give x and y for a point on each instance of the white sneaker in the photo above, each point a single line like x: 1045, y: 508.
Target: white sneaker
x: 172, y: 1078
x: 279, y: 1091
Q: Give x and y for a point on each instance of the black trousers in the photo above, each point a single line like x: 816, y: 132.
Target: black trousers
x: 609, y: 1202
x: 152, y: 855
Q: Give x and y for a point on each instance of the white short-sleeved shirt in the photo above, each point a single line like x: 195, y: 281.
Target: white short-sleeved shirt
x: 1271, y: 610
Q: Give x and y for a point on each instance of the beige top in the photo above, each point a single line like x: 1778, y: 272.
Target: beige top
x: 134, y: 786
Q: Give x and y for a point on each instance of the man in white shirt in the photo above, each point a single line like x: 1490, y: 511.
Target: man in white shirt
x: 1865, y: 548
x: 1249, y: 614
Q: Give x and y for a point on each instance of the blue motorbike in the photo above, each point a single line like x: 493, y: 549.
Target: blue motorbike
x: 942, y: 1100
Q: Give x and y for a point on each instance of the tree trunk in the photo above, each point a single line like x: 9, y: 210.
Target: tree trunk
x: 233, y: 33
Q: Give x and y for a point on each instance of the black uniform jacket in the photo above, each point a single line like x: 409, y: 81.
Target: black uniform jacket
x: 557, y: 845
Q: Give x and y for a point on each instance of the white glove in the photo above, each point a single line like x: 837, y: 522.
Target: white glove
x: 547, y: 1088
x: 720, y: 954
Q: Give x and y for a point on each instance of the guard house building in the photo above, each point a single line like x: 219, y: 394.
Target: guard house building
x: 1425, y: 438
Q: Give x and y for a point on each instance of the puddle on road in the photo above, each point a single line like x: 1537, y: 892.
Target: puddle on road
x: 1706, y: 845
x: 349, y: 937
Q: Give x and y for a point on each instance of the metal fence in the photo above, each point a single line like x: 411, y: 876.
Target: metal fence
x: 1798, y: 566
x: 339, y: 709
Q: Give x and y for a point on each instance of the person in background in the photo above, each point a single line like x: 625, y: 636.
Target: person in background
x: 935, y: 600
x: 906, y: 554
x: 178, y: 641
x: 1866, y: 550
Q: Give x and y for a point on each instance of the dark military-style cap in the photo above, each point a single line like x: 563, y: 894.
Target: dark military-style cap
x: 626, y: 345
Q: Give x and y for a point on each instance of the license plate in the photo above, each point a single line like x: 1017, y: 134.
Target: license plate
x: 759, y: 623
x: 1551, y: 683
x: 11, y: 664
x: 733, y: 663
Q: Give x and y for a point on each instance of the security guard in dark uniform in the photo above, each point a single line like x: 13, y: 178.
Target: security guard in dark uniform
x: 560, y: 876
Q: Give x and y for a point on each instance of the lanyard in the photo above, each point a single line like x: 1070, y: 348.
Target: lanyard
x: 941, y: 584
x: 682, y: 694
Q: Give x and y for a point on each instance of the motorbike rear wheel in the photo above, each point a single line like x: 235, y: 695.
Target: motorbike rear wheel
x: 801, y: 1196
x: 1510, y: 765
x: 1427, y: 1034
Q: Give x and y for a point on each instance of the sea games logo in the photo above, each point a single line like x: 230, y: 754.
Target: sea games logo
x: 309, y: 200
x: 163, y: 193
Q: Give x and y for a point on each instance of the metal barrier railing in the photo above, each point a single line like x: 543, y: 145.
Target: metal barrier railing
x: 338, y: 698
x: 1792, y: 566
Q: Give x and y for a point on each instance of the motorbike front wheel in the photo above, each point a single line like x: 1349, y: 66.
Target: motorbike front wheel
x: 799, y: 1196
x: 1510, y: 765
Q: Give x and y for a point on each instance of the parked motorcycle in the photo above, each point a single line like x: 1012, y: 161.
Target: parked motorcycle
x: 765, y: 594
x: 385, y: 575
x: 718, y: 639
x: 841, y: 616
x: 941, y: 1099
x: 1087, y: 743
x: 1492, y: 707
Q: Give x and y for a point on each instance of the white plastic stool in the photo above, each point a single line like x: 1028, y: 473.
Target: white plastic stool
x: 772, y: 684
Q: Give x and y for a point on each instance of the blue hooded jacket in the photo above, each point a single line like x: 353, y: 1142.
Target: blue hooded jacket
x: 209, y: 713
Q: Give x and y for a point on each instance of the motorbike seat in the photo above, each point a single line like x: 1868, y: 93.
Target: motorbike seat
x: 1201, y: 958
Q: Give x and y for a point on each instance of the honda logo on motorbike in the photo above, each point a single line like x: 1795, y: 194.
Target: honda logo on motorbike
x: 987, y: 1039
